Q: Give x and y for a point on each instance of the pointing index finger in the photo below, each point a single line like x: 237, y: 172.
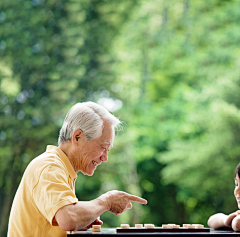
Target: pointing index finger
x: 133, y: 198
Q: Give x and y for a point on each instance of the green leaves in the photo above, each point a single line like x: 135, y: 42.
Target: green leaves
x: 171, y: 68
x: 179, y: 67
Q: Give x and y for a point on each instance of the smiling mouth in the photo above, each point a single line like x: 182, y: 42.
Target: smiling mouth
x: 95, y: 163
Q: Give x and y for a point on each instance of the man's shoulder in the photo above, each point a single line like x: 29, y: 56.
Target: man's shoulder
x: 45, y: 165
x: 46, y: 159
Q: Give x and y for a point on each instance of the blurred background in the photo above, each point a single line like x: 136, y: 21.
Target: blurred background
x: 170, y: 70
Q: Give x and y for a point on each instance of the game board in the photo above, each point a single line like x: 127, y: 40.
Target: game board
x: 165, y: 228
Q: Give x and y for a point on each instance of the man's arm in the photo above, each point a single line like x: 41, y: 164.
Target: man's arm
x: 83, y: 213
x: 79, y: 215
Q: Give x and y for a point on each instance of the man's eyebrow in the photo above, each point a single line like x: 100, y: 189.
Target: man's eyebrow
x: 106, y: 142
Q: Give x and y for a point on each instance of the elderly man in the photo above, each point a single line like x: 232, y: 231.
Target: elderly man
x: 45, y: 203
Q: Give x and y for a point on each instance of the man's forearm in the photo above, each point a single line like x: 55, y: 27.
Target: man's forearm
x: 81, y: 214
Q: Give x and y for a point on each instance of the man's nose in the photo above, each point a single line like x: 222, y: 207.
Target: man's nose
x: 104, y: 156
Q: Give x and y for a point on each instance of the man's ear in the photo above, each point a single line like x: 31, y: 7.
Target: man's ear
x: 77, y: 134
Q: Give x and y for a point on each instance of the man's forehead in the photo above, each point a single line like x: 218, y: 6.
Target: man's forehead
x: 108, y: 135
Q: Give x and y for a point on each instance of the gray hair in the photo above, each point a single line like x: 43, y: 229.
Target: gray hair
x: 87, y: 116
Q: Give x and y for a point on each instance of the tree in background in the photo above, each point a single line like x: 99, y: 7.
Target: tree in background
x: 180, y: 61
x: 172, y: 68
x: 52, y: 54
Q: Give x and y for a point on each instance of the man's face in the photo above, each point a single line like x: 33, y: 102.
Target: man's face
x: 90, y: 154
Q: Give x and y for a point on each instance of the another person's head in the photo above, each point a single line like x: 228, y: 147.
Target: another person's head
x: 89, y: 131
x: 237, y: 185
x: 237, y: 171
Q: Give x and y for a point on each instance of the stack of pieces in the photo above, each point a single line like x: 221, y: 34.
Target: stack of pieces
x: 96, y: 228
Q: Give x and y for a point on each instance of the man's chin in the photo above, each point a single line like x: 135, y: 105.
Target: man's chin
x: 90, y: 173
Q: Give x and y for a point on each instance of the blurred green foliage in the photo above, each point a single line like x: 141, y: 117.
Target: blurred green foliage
x: 168, y: 69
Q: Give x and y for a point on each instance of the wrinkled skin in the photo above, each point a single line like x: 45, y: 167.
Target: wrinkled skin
x: 118, y: 201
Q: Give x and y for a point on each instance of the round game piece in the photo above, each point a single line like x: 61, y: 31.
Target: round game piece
x: 191, y: 227
x: 96, y: 226
x: 96, y: 230
x: 185, y: 225
x: 149, y: 226
x: 165, y: 226
x: 138, y: 225
x: 199, y: 226
x: 125, y: 226
x: 176, y: 226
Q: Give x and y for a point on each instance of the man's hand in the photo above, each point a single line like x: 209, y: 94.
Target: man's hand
x: 118, y: 201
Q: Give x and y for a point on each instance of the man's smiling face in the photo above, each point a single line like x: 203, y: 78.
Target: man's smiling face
x: 89, y: 154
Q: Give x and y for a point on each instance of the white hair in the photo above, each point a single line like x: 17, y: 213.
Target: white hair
x: 87, y: 116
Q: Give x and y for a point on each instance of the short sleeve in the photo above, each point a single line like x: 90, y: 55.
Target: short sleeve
x: 53, y: 191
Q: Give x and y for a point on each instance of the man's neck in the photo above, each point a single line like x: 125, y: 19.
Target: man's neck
x: 66, y: 148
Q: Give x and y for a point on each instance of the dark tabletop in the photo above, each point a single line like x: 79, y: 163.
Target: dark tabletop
x: 113, y: 231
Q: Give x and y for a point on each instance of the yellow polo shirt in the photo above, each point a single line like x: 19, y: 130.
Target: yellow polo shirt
x: 46, y: 186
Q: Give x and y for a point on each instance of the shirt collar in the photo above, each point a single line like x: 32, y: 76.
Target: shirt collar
x: 64, y: 158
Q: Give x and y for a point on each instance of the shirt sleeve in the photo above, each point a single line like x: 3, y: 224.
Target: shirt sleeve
x: 53, y: 192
